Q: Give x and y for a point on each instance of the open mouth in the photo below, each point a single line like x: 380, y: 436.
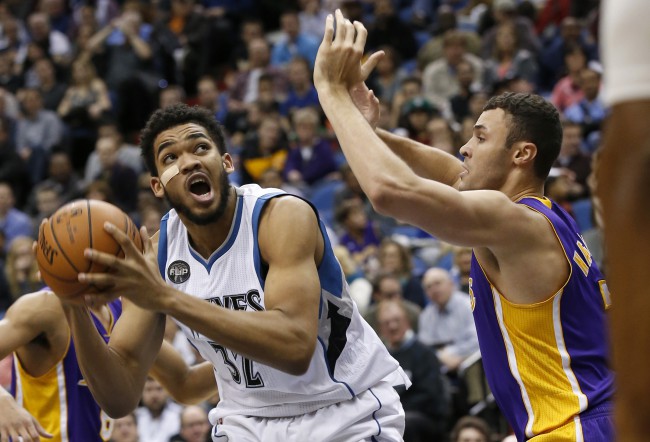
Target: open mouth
x: 200, y: 188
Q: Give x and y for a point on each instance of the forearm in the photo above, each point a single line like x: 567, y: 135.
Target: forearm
x: 97, y: 40
x: 141, y: 48
x: 115, y: 384
x: 271, y: 336
x: 426, y: 161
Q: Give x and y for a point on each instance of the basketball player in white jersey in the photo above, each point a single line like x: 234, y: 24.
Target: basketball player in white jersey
x: 250, y: 277
x: 623, y: 183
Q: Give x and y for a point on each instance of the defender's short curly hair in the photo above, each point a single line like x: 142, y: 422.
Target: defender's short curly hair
x: 173, y: 116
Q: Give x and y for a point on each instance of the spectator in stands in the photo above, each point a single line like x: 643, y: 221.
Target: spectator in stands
x: 273, y: 178
x: 245, y: 89
x: 460, y: 269
x: 410, y: 87
x: 52, y: 90
x: 47, y: 198
x: 61, y: 173
x: 509, y: 59
x: 358, y: 233
x: 84, y: 104
x: 265, y: 147
x: 127, y: 44
x: 125, y: 429
x: 425, y: 402
x: 181, y: 35
x: 121, y: 178
x: 293, y: 42
x: 195, y: 426
x: 171, y: 95
x: 471, y: 429
x: 571, y: 33
x: 302, y: 92
x: 389, y: 30
x: 396, y: 259
x: 387, y: 77
x: 467, y: 86
x: 312, y: 17
x: 446, y: 324
x: 37, y: 130
x: 440, y: 78
x: 310, y: 158
x: 55, y: 43
x: 21, y: 269
x: 416, y: 114
x: 387, y: 287
x: 158, y: 418
x: 127, y: 154
x: 13, y: 169
x: 5, y: 294
x: 209, y: 97
x: 567, y: 90
x: 251, y: 29
x: 13, y: 222
x: 433, y: 49
x: 590, y: 112
x: 573, y: 159
x: 505, y: 11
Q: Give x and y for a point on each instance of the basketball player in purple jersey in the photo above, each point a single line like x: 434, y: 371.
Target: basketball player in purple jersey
x: 538, y: 298
x: 50, y: 395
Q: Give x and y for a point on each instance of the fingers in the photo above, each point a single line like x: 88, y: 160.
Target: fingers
x: 329, y: 30
x: 122, y: 239
x: 341, y: 29
x: 371, y: 62
x: 361, y: 35
x: 146, y: 240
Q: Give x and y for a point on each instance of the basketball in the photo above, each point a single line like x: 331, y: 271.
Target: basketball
x: 68, y: 232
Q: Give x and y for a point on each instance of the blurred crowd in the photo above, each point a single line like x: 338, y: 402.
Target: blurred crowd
x: 79, y: 78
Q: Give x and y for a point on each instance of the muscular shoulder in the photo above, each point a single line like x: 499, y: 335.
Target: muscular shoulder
x: 41, y: 311
x: 287, y: 223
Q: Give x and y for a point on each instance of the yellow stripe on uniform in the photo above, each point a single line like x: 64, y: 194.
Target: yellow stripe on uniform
x: 534, y: 334
x: 42, y: 398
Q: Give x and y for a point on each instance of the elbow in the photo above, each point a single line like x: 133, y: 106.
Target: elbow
x: 119, y: 408
x: 301, y: 357
x: 382, y: 195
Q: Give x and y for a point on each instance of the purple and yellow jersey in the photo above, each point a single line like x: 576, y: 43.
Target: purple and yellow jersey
x: 547, y: 363
x: 60, y: 399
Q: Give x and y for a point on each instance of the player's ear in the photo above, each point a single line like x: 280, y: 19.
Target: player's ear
x: 524, y: 153
x: 228, y: 164
x: 157, y: 187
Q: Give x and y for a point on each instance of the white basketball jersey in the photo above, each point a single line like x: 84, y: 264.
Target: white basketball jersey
x: 349, y: 357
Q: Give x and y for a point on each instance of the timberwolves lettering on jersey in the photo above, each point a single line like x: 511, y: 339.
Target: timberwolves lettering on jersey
x: 349, y: 357
x: 547, y: 363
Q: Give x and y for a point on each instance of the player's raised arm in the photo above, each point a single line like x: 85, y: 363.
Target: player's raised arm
x: 468, y: 218
x: 186, y: 384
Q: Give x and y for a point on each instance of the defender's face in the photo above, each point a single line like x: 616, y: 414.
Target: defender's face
x: 487, y: 160
x: 200, y: 189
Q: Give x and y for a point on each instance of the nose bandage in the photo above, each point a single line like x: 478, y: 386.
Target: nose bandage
x: 168, y: 174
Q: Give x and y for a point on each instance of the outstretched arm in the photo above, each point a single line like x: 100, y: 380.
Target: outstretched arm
x: 426, y: 161
x: 472, y: 218
x: 187, y: 385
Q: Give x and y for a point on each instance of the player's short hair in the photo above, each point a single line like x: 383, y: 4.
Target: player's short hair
x: 535, y: 120
x: 173, y: 116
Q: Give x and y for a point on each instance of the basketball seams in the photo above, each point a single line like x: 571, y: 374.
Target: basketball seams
x: 90, y: 233
x: 61, y: 249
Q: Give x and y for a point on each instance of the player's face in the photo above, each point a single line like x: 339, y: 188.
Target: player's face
x: 200, y: 190
x: 487, y: 160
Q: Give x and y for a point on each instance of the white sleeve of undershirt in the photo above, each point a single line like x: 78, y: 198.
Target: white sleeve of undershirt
x: 624, y: 40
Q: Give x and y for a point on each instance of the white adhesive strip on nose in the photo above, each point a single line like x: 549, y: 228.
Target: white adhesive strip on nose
x: 168, y: 174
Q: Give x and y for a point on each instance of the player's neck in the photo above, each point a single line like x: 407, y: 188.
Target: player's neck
x: 208, y: 238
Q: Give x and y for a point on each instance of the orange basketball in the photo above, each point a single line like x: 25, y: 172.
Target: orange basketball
x: 68, y: 232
